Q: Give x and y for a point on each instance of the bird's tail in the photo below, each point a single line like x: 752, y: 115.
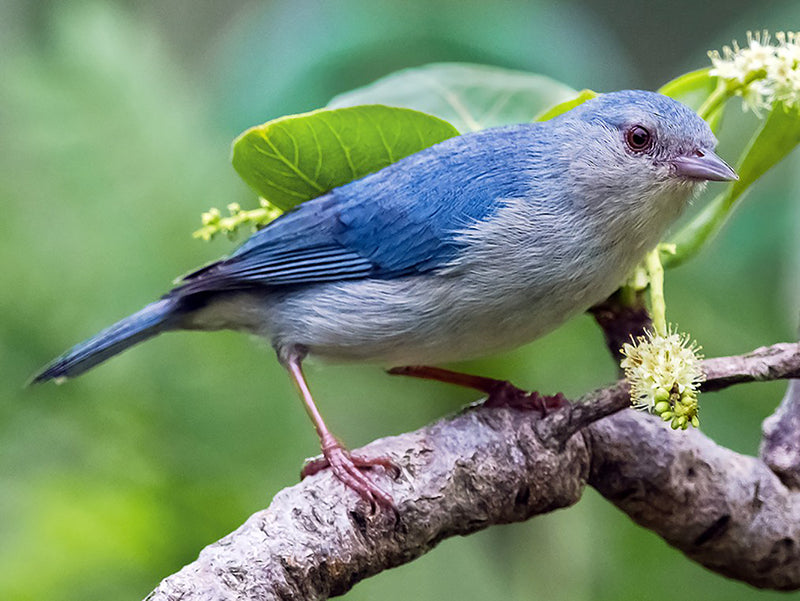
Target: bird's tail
x: 152, y: 320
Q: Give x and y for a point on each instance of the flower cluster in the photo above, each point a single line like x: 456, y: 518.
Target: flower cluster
x: 214, y: 223
x: 664, y: 374
x: 762, y: 73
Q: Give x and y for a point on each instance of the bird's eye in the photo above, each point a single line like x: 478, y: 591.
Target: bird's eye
x: 638, y: 138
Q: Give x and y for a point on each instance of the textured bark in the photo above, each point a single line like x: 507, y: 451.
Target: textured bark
x: 779, y: 361
x: 724, y: 510
x: 780, y: 445
x: 621, y: 321
x: 489, y: 466
x: 317, y: 539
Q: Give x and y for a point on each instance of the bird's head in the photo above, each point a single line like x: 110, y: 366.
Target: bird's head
x: 639, y: 148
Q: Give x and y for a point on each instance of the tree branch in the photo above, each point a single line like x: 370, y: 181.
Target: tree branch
x: 780, y: 445
x: 724, y: 510
x: 488, y: 466
x: 622, y: 319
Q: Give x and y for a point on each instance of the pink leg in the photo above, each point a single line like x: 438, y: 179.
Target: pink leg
x: 346, y: 466
x: 501, y: 393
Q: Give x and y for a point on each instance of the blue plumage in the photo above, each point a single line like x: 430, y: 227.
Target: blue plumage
x: 481, y: 243
x: 519, y: 210
x: 143, y: 324
x: 418, y: 206
x: 409, y: 223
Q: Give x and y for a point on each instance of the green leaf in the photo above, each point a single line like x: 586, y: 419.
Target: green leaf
x: 471, y: 97
x: 567, y: 105
x: 296, y: 158
x: 691, y: 88
x: 694, y: 90
x: 779, y: 135
x: 775, y: 139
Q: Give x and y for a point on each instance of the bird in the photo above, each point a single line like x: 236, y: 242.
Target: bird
x: 480, y: 243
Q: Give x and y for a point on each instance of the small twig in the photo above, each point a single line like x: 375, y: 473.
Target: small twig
x: 776, y: 362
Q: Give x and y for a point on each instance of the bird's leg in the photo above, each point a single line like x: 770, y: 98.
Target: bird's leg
x: 500, y: 393
x: 346, y: 466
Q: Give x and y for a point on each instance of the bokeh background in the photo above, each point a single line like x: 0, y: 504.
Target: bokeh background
x: 115, y: 124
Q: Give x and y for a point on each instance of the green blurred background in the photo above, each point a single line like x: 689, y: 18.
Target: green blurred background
x: 115, y: 125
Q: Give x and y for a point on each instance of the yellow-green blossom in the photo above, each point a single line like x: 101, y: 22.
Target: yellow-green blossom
x: 762, y: 73
x: 214, y: 223
x: 664, y: 374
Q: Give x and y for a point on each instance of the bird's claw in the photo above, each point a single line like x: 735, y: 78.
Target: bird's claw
x: 347, y: 467
x: 506, y: 394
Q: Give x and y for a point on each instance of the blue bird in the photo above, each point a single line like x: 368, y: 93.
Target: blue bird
x: 481, y: 243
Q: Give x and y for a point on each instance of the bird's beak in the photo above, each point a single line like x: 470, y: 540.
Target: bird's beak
x: 704, y: 165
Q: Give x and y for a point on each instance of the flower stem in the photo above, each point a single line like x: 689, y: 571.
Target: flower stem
x: 726, y: 90
x: 715, y: 100
x: 658, y: 306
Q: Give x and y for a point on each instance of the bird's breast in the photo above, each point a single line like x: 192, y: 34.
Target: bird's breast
x: 516, y: 278
x: 463, y: 313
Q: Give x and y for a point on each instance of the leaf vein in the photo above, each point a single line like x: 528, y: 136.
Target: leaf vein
x: 318, y: 148
x: 379, y: 130
x: 499, y: 103
x: 453, y: 100
x: 285, y: 190
x: 283, y: 159
x: 344, y: 148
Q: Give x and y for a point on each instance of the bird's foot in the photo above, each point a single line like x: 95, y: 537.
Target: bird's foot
x: 508, y: 395
x: 500, y: 393
x: 347, y: 467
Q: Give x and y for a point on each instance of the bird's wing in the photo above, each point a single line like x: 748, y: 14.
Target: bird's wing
x: 401, y: 220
